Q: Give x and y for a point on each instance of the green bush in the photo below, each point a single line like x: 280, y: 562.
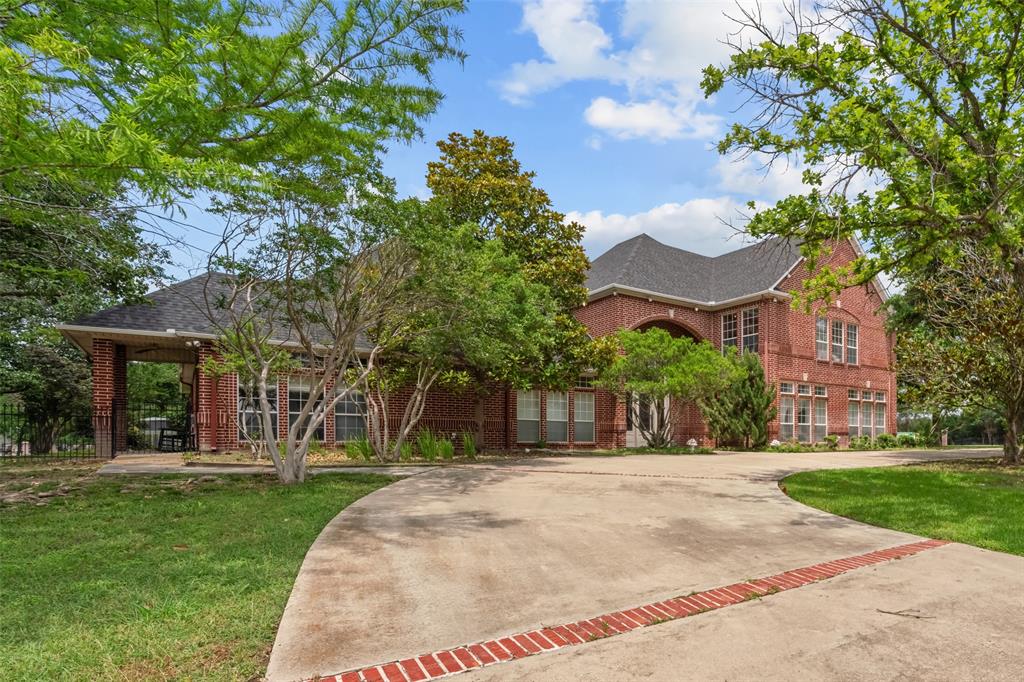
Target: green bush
x: 445, y: 448
x: 860, y: 443
x: 832, y: 441
x: 469, y: 445
x: 791, y: 446
x: 907, y: 440
x: 359, y: 448
x: 426, y: 442
x: 405, y: 452
x: 886, y: 440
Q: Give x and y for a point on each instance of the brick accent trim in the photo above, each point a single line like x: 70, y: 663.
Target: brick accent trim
x: 550, y: 638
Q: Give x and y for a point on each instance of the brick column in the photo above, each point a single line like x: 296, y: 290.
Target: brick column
x: 206, y: 411
x: 109, y: 389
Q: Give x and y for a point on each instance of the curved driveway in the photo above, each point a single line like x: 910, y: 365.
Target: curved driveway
x: 468, y: 553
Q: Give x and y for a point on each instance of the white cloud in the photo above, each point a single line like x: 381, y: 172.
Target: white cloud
x: 665, y: 46
x: 753, y: 176
x: 705, y: 226
x: 653, y: 119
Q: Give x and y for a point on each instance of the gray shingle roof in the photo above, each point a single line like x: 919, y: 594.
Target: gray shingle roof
x: 181, y: 306
x: 645, y: 263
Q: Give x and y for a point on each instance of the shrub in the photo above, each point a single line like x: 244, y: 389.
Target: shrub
x: 359, y: 448
x: 907, y: 440
x: 427, y: 444
x: 860, y: 443
x: 405, y: 452
x: 791, y: 446
x: 885, y: 440
x: 445, y: 448
x: 469, y: 445
x: 832, y: 441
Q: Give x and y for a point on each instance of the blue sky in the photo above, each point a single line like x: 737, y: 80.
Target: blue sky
x: 602, y: 101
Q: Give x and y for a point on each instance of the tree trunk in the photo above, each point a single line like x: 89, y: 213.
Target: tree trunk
x: 1011, y: 437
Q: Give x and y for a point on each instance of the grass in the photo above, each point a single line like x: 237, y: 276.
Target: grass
x: 977, y: 502
x: 153, y: 577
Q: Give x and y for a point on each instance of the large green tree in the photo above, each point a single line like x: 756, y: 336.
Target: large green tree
x: 906, y: 119
x: 171, y: 97
x: 480, y: 181
x: 740, y: 412
x: 976, y: 363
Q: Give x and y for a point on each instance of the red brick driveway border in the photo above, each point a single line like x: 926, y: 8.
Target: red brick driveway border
x: 460, y: 659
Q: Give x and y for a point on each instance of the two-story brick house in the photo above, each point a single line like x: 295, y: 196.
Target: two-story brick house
x: 832, y: 371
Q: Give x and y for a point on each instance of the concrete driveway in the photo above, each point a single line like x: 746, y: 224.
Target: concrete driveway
x: 472, y: 553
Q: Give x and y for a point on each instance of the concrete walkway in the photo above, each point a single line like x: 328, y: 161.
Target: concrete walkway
x: 458, y: 555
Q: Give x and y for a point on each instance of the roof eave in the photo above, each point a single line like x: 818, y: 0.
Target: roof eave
x: 615, y: 289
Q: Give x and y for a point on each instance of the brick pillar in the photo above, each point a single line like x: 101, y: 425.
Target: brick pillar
x: 102, y: 395
x: 109, y: 387
x: 205, y: 410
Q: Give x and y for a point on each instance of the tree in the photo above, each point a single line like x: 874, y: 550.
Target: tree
x: 158, y: 383
x: 920, y: 98
x: 302, y: 300
x: 654, y: 367
x: 961, y: 340
x: 467, y: 316
x: 168, y: 98
x: 741, y: 411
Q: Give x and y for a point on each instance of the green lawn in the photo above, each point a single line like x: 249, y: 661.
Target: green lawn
x: 153, y: 578
x: 975, y: 502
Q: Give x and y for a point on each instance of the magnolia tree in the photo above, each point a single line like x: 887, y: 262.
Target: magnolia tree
x: 976, y: 363
x: 654, y: 367
x: 466, y: 316
x: 302, y: 302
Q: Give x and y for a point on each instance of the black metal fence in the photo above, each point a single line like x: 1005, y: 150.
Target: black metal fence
x: 152, y: 427
x: 25, y: 434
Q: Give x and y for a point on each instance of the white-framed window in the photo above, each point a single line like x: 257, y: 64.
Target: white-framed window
x: 250, y: 424
x: 880, y: 397
x: 820, y: 420
x: 558, y: 416
x: 879, y: 419
x: 803, y: 420
x: 851, y: 344
x: 750, y: 329
x: 785, y: 387
x: 583, y: 416
x: 854, y: 418
x: 866, y: 413
x: 729, y: 330
x: 299, y: 389
x: 786, y: 419
x: 820, y: 392
x: 585, y: 381
x: 803, y: 389
x: 350, y: 417
x: 821, y: 338
x: 852, y: 394
x: 528, y: 416
x: 837, y: 341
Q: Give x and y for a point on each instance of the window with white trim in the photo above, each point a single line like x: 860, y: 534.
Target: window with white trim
x: 729, y: 330
x: 527, y: 416
x: 299, y: 390
x: 803, y: 420
x: 250, y: 423
x: 750, y: 329
x: 803, y: 389
x: 851, y: 344
x: 837, y: 341
x: 820, y: 420
x: 867, y: 413
x: 786, y: 419
x: 584, y: 381
x: 820, y: 392
x: 785, y: 387
x: 558, y: 416
x: 583, y: 416
x: 350, y: 416
x: 821, y: 338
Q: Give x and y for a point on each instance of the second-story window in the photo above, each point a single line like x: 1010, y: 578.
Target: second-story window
x: 851, y: 344
x: 837, y: 341
x: 729, y: 331
x: 750, y: 329
x: 821, y: 338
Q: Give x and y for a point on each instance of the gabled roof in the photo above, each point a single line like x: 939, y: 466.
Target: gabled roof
x: 645, y: 264
x: 180, y: 307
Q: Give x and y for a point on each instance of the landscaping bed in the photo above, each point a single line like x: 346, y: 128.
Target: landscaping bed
x: 977, y: 502
x: 152, y: 577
